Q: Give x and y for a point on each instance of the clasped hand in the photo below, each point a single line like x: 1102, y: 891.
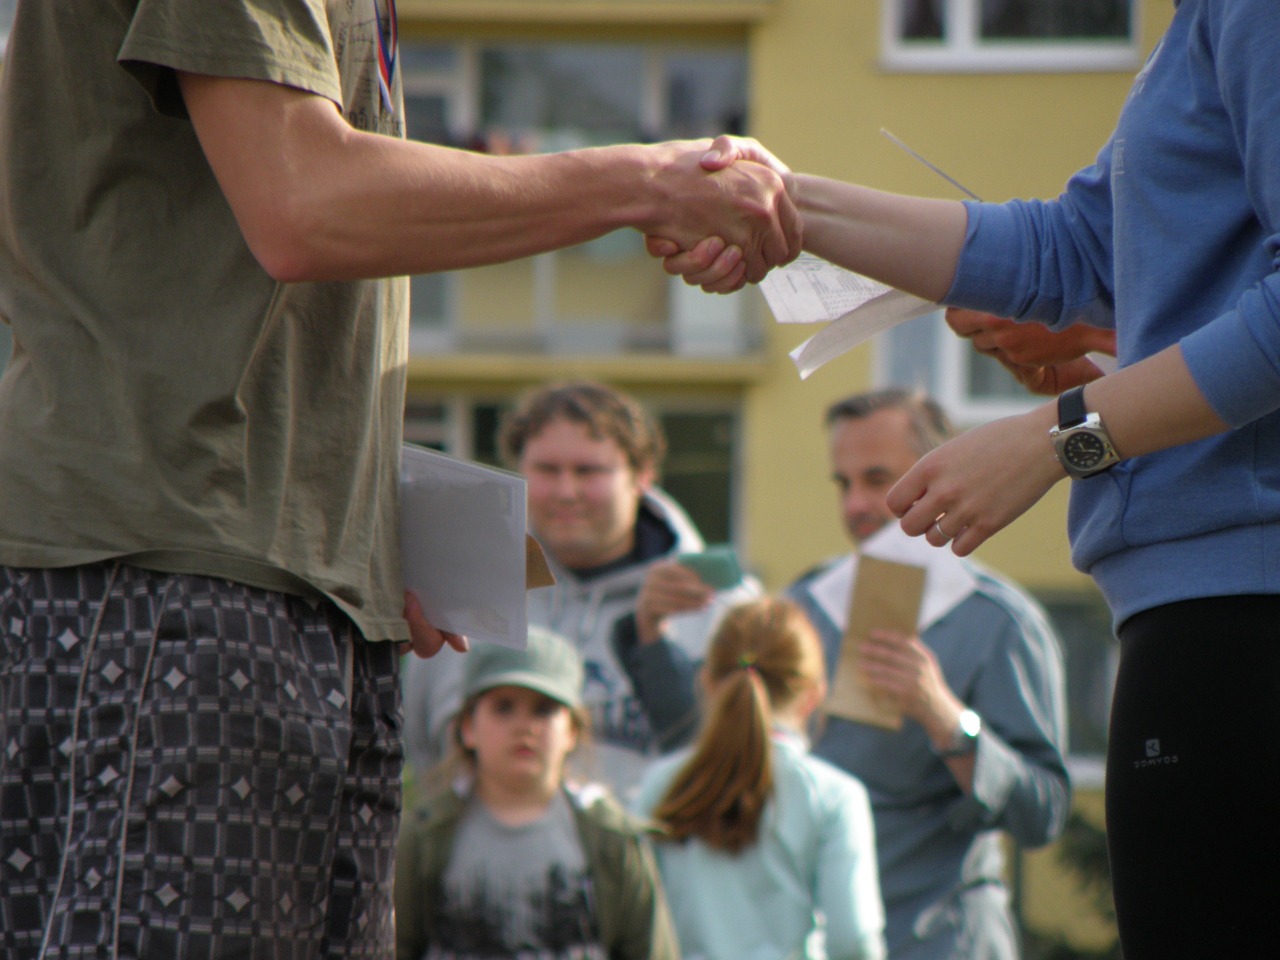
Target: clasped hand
x: 713, y: 263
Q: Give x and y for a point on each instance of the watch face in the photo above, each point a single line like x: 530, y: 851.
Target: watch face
x: 1084, y: 450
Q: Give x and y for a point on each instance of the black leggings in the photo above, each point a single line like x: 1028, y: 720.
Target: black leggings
x: 1193, y: 780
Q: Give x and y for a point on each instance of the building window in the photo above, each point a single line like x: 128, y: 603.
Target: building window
x: 924, y: 354
x: 701, y: 467
x: 1010, y: 35
x: 602, y: 297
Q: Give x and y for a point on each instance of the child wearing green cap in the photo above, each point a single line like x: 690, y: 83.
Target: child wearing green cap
x: 509, y: 859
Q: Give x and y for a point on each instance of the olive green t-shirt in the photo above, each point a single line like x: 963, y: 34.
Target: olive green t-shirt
x: 168, y: 402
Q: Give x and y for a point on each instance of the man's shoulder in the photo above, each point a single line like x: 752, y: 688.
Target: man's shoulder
x: 1000, y: 589
x: 997, y: 597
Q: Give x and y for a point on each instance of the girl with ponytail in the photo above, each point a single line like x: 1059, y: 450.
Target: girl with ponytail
x: 768, y: 853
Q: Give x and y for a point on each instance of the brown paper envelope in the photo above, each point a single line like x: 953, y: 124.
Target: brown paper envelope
x: 536, y: 571
x: 885, y: 596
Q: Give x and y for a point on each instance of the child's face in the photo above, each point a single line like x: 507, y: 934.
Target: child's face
x: 520, y: 738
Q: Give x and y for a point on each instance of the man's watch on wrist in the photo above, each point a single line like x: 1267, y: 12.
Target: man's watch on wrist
x: 964, y: 739
x: 1080, y: 441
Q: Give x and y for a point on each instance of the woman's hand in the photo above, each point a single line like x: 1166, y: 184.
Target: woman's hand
x: 713, y: 265
x: 976, y: 484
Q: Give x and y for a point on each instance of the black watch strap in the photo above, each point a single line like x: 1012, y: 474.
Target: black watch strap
x: 1071, y: 408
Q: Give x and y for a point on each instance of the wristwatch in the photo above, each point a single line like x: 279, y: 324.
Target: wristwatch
x: 964, y: 739
x: 1081, y: 442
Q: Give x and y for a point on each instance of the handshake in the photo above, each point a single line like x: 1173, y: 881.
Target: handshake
x: 723, y: 215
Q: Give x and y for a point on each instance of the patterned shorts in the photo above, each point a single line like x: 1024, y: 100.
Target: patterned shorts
x: 191, y: 768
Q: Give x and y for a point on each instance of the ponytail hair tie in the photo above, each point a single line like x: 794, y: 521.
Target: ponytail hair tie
x: 747, y: 661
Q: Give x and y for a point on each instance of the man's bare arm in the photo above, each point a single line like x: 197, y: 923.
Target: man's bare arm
x: 318, y: 200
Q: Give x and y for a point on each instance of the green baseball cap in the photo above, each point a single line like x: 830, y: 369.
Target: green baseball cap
x: 548, y: 664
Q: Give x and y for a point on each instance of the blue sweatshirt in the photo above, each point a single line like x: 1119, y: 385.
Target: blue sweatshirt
x: 1171, y: 236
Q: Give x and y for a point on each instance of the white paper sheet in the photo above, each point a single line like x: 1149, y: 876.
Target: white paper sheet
x: 856, y: 308
x: 462, y: 545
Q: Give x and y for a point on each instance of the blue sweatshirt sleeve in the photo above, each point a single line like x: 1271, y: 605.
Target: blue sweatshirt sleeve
x: 1049, y: 261
x: 1235, y: 358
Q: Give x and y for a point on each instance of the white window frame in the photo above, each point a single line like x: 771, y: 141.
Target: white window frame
x: 961, y: 50
x: 955, y: 391
x: 950, y: 384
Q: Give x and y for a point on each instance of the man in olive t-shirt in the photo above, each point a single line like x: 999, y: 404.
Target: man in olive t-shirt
x: 201, y: 205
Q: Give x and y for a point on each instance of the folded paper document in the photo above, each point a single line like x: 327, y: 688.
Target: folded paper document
x: 894, y: 582
x: 855, y: 308
x: 886, y: 596
x: 463, y: 545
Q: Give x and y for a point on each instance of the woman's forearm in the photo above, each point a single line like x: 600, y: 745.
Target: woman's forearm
x: 911, y: 243
x: 1153, y: 405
